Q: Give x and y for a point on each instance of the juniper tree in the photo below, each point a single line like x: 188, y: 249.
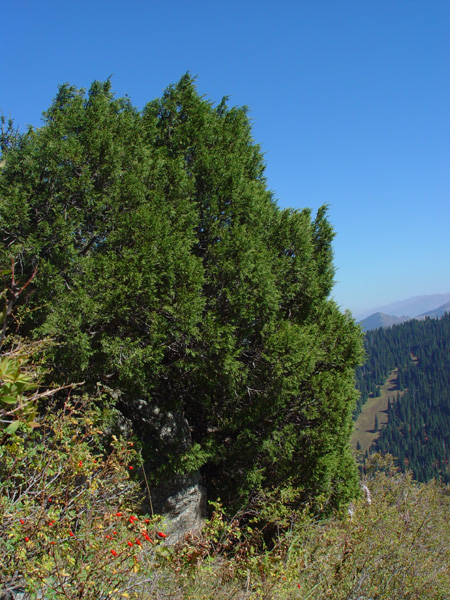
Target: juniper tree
x: 167, y: 271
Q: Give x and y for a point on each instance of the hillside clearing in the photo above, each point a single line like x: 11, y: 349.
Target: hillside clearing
x: 364, y: 432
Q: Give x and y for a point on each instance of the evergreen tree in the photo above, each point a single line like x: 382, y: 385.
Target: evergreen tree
x: 167, y: 272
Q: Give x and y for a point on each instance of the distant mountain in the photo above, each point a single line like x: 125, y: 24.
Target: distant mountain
x: 414, y: 307
x: 436, y: 313
x: 380, y: 319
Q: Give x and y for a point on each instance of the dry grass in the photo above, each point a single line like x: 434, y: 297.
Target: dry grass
x: 364, y: 427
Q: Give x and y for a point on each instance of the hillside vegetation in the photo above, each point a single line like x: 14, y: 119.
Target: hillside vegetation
x: 160, y: 316
x: 417, y: 430
x: 373, y: 415
x: 71, y: 528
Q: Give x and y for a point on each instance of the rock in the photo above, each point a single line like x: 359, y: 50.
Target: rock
x: 182, y: 499
x: 14, y: 595
x: 183, y: 503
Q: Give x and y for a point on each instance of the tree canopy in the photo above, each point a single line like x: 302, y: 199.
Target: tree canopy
x: 166, y: 271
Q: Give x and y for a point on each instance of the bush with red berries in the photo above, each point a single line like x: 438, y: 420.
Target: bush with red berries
x: 69, y: 526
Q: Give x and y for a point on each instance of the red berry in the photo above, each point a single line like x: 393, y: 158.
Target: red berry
x: 130, y: 467
x: 161, y: 534
x: 113, y: 552
x: 118, y: 514
x: 22, y: 521
x: 71, y: 534
x: 27, y: 539
x: 130, y: 544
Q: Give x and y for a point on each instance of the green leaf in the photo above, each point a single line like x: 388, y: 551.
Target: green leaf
x: 9, y: 399
x: 12, y: 428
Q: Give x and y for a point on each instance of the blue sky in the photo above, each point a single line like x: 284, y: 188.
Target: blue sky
x: 349, y: 100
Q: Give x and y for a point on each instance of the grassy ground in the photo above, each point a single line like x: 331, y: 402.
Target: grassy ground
x: 364, y: 427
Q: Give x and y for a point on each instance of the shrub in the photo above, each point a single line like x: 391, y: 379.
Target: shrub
x: 393, y: 544
x: 68, y: 526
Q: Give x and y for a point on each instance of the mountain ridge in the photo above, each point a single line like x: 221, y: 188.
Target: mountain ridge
x: 380, y: 319
x: 413, y: 307
x: 437, y: 312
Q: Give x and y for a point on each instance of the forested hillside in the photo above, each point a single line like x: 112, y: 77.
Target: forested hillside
x: 418, y: 428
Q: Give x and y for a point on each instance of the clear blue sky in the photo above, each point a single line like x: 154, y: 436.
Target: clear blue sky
x: 350, y: 101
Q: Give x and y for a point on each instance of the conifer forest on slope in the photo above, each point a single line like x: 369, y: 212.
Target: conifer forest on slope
x: 417, y: 431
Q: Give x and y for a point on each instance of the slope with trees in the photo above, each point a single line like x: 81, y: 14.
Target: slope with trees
x: 418, y: 427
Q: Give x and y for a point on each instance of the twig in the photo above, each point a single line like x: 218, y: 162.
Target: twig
x: 146, y: 483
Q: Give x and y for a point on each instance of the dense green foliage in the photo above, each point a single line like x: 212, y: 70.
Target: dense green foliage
x: 69, y: 530
x: 148, y: 247
x: 166, y: 271
x: 418, y: 427
x: 71, y: 525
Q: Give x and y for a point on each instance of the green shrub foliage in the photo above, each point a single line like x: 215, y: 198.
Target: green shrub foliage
x: 166, y: 271
x: 67, y: 526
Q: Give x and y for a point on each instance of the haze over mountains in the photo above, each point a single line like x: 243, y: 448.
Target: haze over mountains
x: 435, y: 305
x: 437, y: 312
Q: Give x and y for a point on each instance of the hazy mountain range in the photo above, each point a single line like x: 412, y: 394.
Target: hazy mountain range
x: 413, y: 307
x: 419, y: 307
